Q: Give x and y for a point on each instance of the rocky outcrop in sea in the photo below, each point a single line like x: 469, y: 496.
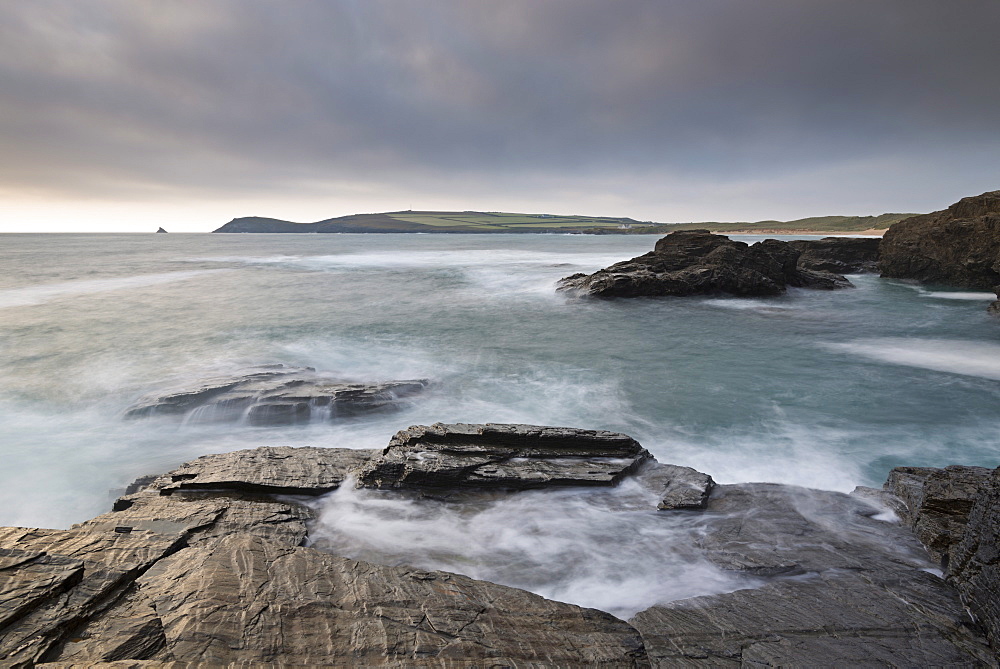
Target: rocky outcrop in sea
x: 209, y: 564
x: 276, y: 395
x: 959, y: 246
x: 697, y: 262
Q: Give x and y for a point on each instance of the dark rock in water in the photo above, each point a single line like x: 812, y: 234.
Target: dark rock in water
x: 461, y: 455
x: 994, y: 307
x: 160, y: 230
x: 839, y: 255
x: 696, y: 262
x: 682, y: 488
x: 959, y: 246
x: 860, y: 596
x: 277, y: 395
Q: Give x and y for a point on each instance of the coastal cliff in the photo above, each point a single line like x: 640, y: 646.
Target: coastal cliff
x: 204, y: 565
x: 958, y: 246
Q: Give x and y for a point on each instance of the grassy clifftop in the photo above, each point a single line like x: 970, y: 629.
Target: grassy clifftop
x: 486, y: 222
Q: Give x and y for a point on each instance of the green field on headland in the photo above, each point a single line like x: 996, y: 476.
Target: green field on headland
x: 486, y: 222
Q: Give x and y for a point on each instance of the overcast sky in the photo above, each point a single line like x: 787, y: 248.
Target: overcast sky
x: 130, y: 114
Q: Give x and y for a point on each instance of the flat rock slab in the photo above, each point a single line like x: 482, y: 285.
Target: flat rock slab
x: 224, y: 493
x: 276, y: 395
x: 839, y: 589
x: 243, y: 599
x: 493, y: 455
x: 287, y: 470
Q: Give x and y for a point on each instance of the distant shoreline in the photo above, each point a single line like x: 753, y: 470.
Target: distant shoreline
x: 874, y: 232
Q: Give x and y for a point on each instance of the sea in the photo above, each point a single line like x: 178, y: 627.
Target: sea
x: 818, y: 389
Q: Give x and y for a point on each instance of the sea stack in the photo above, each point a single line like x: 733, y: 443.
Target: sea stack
x: 159, y: 230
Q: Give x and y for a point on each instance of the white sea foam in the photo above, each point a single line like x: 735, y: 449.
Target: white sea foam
x: 948, y: 294
x: 39, y: 294
x: 960, y: 295
x: 607, y: 549
x: 956, y: 356
x: 426, y: 259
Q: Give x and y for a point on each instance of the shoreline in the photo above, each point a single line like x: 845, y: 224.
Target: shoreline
x: 874, y: 232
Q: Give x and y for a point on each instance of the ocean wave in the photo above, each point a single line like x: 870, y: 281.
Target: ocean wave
x: 956, y: 356
x: 39, y: 294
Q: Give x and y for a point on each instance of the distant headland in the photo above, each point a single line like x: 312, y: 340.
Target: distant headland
x: 494, y: 222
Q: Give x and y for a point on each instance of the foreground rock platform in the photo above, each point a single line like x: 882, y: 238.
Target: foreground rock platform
x: 206, y: 566
x: 276, y: 395
x: 697, y: 262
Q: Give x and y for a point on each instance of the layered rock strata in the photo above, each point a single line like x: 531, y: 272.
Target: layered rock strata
x: 204, y: 565
x: 276, y: 395
x: 513, y: 457
x: 696, y: 262
x: 956, y: 513
x: 959, y: 246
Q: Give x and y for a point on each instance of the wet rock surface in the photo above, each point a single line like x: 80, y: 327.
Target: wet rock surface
x: 204, y: 565
x: 682, y: 488
x: 956, y: 512
x: 462, y: 455
x: 277, y: 395
x: 841, y: 589
x: 936, y: 503
x: 697, y: 262
x: 839, y: 255
x: 959, y: 246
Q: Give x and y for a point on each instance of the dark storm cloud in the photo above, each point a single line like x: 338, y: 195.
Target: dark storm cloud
x: 248, y: 95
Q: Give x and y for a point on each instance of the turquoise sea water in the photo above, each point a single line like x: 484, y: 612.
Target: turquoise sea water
x: 820, y: 389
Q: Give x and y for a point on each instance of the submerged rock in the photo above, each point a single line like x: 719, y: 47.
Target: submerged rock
x: 839, y: 255
x: 493, y: 455
x: 697, y: 262
x: 277, y: 395
x: 959, y: 246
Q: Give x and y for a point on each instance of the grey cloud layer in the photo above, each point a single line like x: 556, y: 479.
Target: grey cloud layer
x: 249, y: 95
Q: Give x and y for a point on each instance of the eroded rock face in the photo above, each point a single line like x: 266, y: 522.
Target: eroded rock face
x: 959, y: 246
x: 936, y: 503
x: 696, y: 262
x: 840, y: 589
x: 493, y: 455
x: 839, y: 255
x: 956, y: 512
x: 277, y: 395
